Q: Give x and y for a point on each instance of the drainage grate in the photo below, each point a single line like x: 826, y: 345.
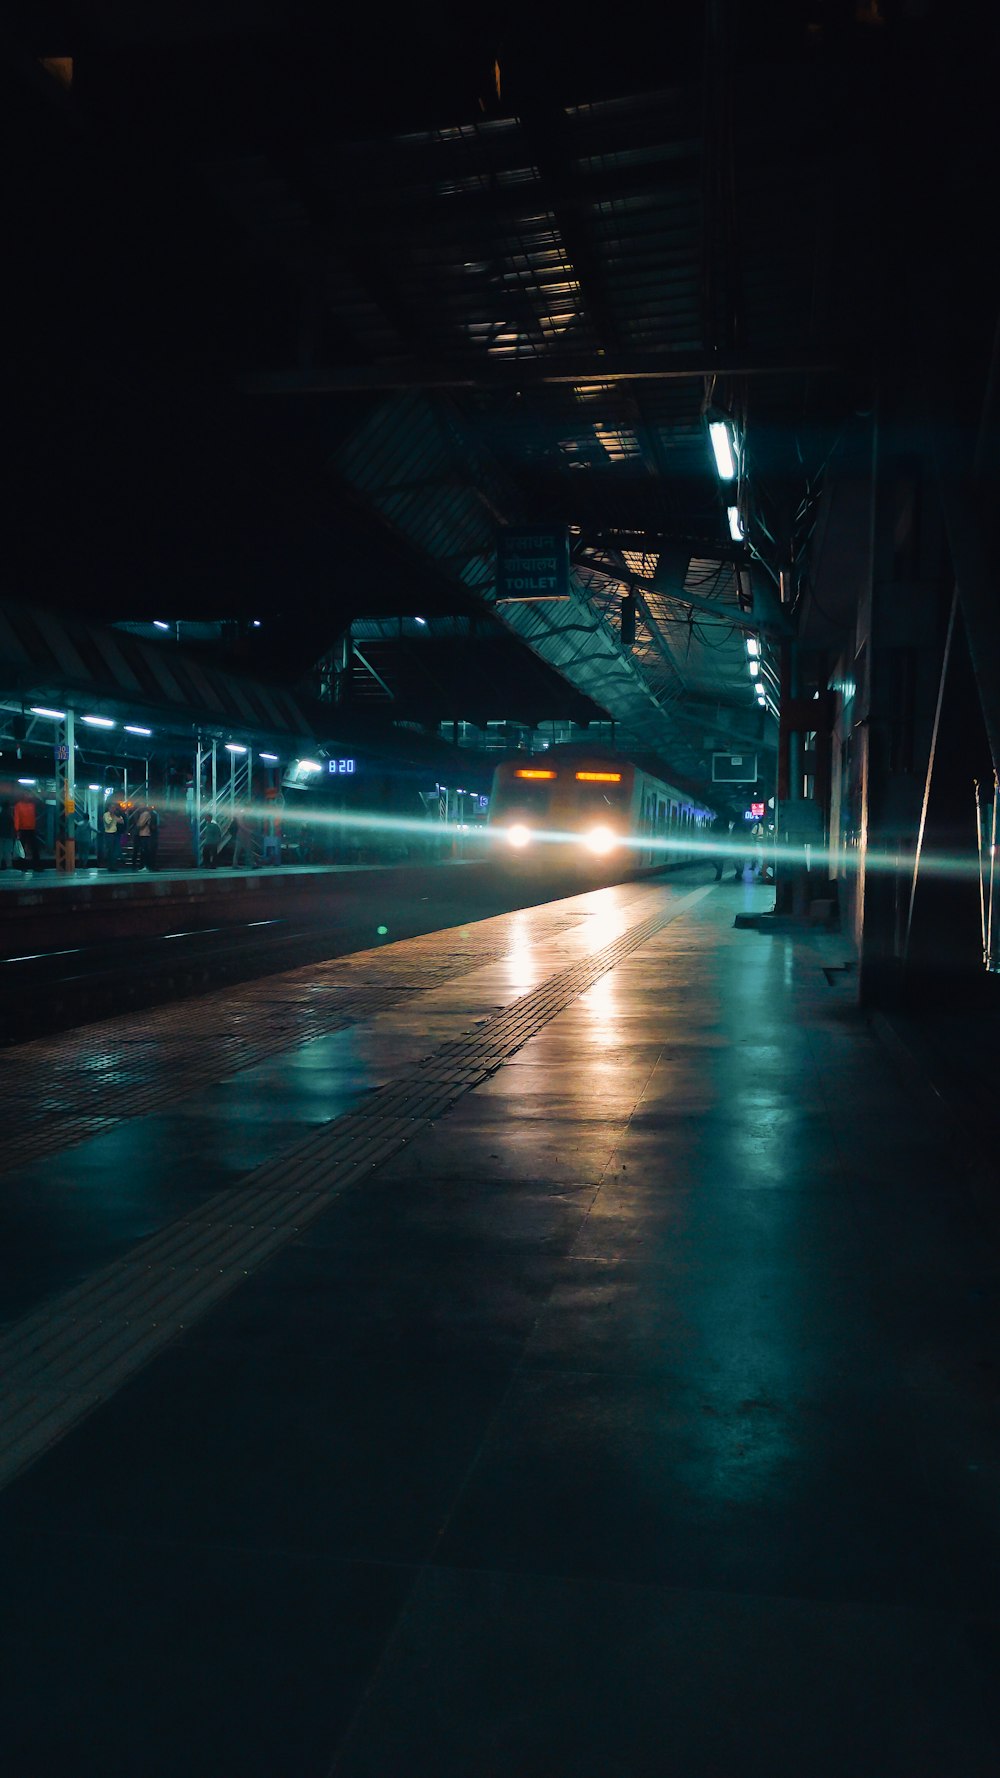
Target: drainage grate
x: 66, y: 1358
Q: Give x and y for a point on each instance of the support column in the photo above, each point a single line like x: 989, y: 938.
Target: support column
x: 798, y: 818
x: 196, y: 836
x: 65, y: 801
x: 343, y: 655
x: 907, y: 679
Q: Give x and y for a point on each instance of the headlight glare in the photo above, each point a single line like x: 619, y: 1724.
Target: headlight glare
x: 600, y: 841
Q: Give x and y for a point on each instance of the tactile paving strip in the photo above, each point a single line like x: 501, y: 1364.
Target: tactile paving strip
x: 69, y: 1356
x: 84, y: 1082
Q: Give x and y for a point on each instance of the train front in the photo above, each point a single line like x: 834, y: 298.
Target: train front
x: 563, y: 813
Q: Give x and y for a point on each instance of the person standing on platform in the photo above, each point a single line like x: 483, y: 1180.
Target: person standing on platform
x: 211, y: 843
x: 26, y: 828
x: 720, y: 833
x: 83, y: 834
x: 8, y: 834
x: 110, y: 843
x: 144, y: 839
x: 242, y: 849
x: 189, y: 810
x: 154, y: 835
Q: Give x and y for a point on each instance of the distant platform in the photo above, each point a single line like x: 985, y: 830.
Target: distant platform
x: 18, y: 882
x: 142, y: 903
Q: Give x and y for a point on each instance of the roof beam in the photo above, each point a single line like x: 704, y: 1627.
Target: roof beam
x: 526, y: 373
x: 776, y: 622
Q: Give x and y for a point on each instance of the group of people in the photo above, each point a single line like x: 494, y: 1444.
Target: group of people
x: 243, y: 853
x: 124, y: 826
x: 740, y: 848
x: 127, y: 835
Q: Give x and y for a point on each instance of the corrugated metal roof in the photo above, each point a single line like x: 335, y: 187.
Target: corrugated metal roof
x: 530, y: 245
x: 43, y: 656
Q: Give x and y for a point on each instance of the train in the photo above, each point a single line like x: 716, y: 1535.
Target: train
x: 592, y: 805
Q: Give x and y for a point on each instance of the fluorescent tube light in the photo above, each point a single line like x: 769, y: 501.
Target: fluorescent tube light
x: 725, y: 461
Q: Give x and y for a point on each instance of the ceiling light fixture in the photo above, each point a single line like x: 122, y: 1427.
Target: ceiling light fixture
x: 722, y: 445
x: 735, y: 524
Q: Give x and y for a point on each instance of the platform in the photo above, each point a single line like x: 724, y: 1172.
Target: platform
x: 40, y: 909
x: 559, y: 1346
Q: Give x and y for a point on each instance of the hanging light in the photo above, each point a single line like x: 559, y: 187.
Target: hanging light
x: 722, y: 446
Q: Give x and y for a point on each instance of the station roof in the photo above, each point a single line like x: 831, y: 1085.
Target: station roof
x: 46, y: 658
x: 379, y: 295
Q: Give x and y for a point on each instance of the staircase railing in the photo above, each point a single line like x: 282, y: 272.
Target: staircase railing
x: 230, y: 797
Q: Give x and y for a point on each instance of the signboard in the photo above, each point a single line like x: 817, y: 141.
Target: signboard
x: 533, y: 564
x: 757, y: 811
x: 734, y: 768
x: 341, y: 768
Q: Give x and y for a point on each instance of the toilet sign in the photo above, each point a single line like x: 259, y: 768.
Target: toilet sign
x: 533, y: 564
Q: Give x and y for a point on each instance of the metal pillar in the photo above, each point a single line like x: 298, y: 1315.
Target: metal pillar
x: 798, y: 819
x: 343, y: 656
x: 65, y: 804
x: 196, y: 836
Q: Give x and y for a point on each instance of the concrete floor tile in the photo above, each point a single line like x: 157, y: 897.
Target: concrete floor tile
x: 496, y: 1674
x: 224, y: 1446
x: 122, y: 1656
x: 638, y: 1479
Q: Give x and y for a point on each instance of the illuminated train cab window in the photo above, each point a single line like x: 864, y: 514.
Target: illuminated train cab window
x: 341, y: 768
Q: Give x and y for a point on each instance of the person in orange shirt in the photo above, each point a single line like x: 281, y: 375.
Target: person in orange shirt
x: 26, y: 828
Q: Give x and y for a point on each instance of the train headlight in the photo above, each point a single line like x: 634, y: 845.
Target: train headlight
x: 519, y: 835
x: 600, y: 841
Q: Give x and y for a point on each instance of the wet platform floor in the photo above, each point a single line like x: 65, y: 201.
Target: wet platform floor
x: 637, y: 1415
